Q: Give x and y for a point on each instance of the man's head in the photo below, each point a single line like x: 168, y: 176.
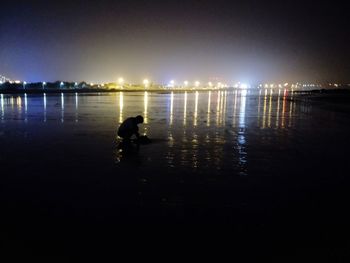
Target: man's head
x: 139, y: 119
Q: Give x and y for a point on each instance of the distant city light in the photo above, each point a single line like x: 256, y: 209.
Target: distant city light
x: 172, y: 83
x: 146, y: 83
x: 244, y: 86
x: 120, y: 81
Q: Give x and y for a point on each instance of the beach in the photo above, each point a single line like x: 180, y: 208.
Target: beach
x: 264, y: 169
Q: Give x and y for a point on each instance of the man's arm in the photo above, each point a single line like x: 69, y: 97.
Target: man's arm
x: 137, y: 131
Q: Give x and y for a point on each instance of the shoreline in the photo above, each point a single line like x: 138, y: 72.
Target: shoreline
x: 161, y: 91
x: 59, y: 91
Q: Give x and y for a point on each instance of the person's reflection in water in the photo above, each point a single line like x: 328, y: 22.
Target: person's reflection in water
x: 127, y: 153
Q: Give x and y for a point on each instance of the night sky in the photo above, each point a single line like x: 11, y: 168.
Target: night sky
x: 98, y: 41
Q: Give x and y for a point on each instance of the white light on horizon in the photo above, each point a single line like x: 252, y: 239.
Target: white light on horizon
x: 146, y: 82
x: 172, y: 83
x: 120, y: 81
x: 244, y: 86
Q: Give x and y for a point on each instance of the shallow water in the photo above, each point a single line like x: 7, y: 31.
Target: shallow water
x: 252, y: 161
x: 193, y: 131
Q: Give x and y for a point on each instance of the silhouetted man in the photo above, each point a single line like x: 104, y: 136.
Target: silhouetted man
x: 129, y: 127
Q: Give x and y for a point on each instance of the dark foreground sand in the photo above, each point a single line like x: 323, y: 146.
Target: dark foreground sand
x: 259, y: 175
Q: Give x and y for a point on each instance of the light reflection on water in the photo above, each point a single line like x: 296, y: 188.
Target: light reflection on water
x: 171, y: 108
x: 44, y: 98
x: 196, y: 130
x: 121, y: 106
x: 2, y: 107
x: 146, y: 107
x: 209, y: 109
x: 185, y: 108
x: 195, y: 110
x: 62, y: 107
x: 76, y: 107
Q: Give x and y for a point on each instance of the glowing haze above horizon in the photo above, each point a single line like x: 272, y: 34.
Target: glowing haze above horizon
x: 99, y: 41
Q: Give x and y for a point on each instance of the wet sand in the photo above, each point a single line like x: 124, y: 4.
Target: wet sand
x: 260, y: 172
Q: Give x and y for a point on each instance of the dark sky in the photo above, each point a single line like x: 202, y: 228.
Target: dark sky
x: 248, y: 41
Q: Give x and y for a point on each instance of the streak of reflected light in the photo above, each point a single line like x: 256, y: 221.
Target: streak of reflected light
x: 259, y: 103
x: 208, y: 113
x: 278, y: 108
x: 242, y: 109
x: 19, y: 102
x: 195, y: 109
x: 44, y: 98
x: 121, y: 106
x: 145, y: 100
x: 171, y: 108
x: 241, y: 136
x: 185, y: 108
x: 62, y: 107
x: 25, y: 103
x: 76, y: 100
x: 264, y: 111
x: 12, y: 102
x: 234, y: 109
x: 218, y: 108
x: 270, y: 108
x: 224, y: 106
x: 76, y: 107
x: 290, y: 113
x: 283, y: 108
x: 2, y: 107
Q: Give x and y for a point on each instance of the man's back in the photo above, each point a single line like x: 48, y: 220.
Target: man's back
x: 128, y: 128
